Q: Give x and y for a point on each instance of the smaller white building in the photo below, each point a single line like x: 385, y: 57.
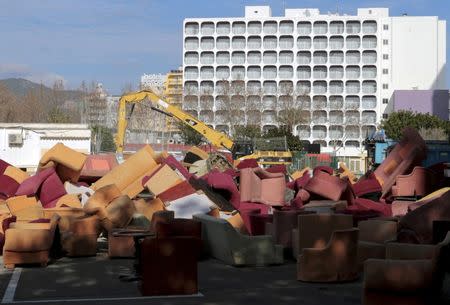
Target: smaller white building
x: 23, y: 145
x: 153, y: 81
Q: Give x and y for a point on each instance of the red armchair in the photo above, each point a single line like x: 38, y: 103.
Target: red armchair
x: 258, y: 185
x: 418, y: 183
x: 325, y: 185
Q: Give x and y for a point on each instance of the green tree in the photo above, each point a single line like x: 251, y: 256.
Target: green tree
x: 293, y: 142
x: 397, y: 121
x: 247, y: 131
x: 56, y: 115
x: 103, y: 139
x: 189, y: 135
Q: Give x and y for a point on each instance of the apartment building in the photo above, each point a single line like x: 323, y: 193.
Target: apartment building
x: 339, y: 70
x: 173, y: 94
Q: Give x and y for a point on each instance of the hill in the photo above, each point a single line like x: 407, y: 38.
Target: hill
x: 19, y: 87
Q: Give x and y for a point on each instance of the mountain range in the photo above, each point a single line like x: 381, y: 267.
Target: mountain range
x: 19, y: 87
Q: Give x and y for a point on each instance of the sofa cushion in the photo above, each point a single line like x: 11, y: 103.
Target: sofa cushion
x: 16, y: 173
x: 8, y: 186
x: 51, y: 190
x: 31, y: 186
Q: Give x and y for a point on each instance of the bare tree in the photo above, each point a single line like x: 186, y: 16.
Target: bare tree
x: 293, y: 106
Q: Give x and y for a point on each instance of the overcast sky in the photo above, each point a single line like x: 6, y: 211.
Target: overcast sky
x: 116, y: 41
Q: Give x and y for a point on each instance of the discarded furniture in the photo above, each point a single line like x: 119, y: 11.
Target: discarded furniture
x: 315, y: 230
x: 258, y: 185
x: 325, y: 185
x: 418, y: 183
x: 373, y: 235
x: 29, y: 245
x: 79, y: 235
x: 336, y: 262
x: 226, y: 244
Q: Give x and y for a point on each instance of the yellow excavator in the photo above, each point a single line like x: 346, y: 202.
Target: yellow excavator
x: 240, y: 150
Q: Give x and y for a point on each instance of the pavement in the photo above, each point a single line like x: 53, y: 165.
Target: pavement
x: 95, y: 280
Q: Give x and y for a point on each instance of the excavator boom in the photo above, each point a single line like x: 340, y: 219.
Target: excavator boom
x: 214, y: 137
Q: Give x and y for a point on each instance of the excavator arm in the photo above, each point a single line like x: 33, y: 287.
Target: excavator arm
x: 214, y: 137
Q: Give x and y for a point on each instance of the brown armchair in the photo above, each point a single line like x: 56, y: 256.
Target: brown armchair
x: 171, y: 272
x: 336, y: 262
x: 373, y: 234
x: 79, y: 235
x: 29, y: 244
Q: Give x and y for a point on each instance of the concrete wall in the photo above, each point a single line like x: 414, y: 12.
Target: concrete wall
x: 425, y: 101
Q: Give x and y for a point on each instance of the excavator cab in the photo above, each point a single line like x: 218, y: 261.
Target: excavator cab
x: 242, y: 148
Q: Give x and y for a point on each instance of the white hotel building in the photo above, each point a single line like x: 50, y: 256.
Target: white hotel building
x: 342, y: 68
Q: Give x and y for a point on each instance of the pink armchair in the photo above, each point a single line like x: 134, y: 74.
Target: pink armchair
x: 418, y: 183
x: 258, y: 185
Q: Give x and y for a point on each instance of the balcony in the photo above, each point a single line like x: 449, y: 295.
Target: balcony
x: 254, y: 117
x: 254, y: 27
x: 320, y: 42
x: 336, y: 72
x: 319, y: 102
x: 221, y: 117
x: 286, y: 42
x: 191, y: 87
x: 254, y: 72
x: 254, y: 42
x: 223, y: 28
x: 352, y: 102
x: 369, y: 117
x: 352, y: 117
x: 369, y: 72
x: 320, y: 57
x: 353, y: 42
x: 304, y: 43
x: 304, y: 28
x: 207, y: 28
x: 191, y: 72
x: 207, y: 43
x: 270, y: 57
x: 207, y: 72
x: 369, y: 27
x: 336, y: 132
x: 207, y: 116
x: 336, y: 27
x: 369, y: 102
x: 303, y: 102
x: 270, y: 101
x: 352, y: 132
x: 303, y: 87
x: 207, y: 87
x: 285, y: 87
x: 352, y: 71
x: 207, y: 102
x: 191, y: 58
x: 238, y: 58
x: 303, y: 72
x: 270, y: 72
x: 223, y: 43
x: 336, y: 42
x: 207, y: 58
x: 254, y: 87
x: 191, y: 43
x: 191, y: 28
x: 320, y: 87
x: 286, y: 72
x: 336, y: 117
x: 320, y: 27
x: 222, y: 72
x: 270, y: 27
x: 190, y: 102
x: 286, y: 57
x: 238, y: 28
x: 238, y: 72
x: 369, y: 87
x: 303, y: 131
x: 336, y: 57
x: 223, y: 58
x: 319, y: 132
x: 369, y: 57
x: 254, y: 102
x: 238, y: 43
x: 320, y: 72
x: 270, y: 42
x: 286, y: 27
x: 369, y: 42
x: 353, y: 27
x: 336, y: 102
x: 303, y: 58
x: 336, y: 87
x: 254, y: 57
x: 269, y: 117
x: 352, y: 87
x: 352, y: 57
